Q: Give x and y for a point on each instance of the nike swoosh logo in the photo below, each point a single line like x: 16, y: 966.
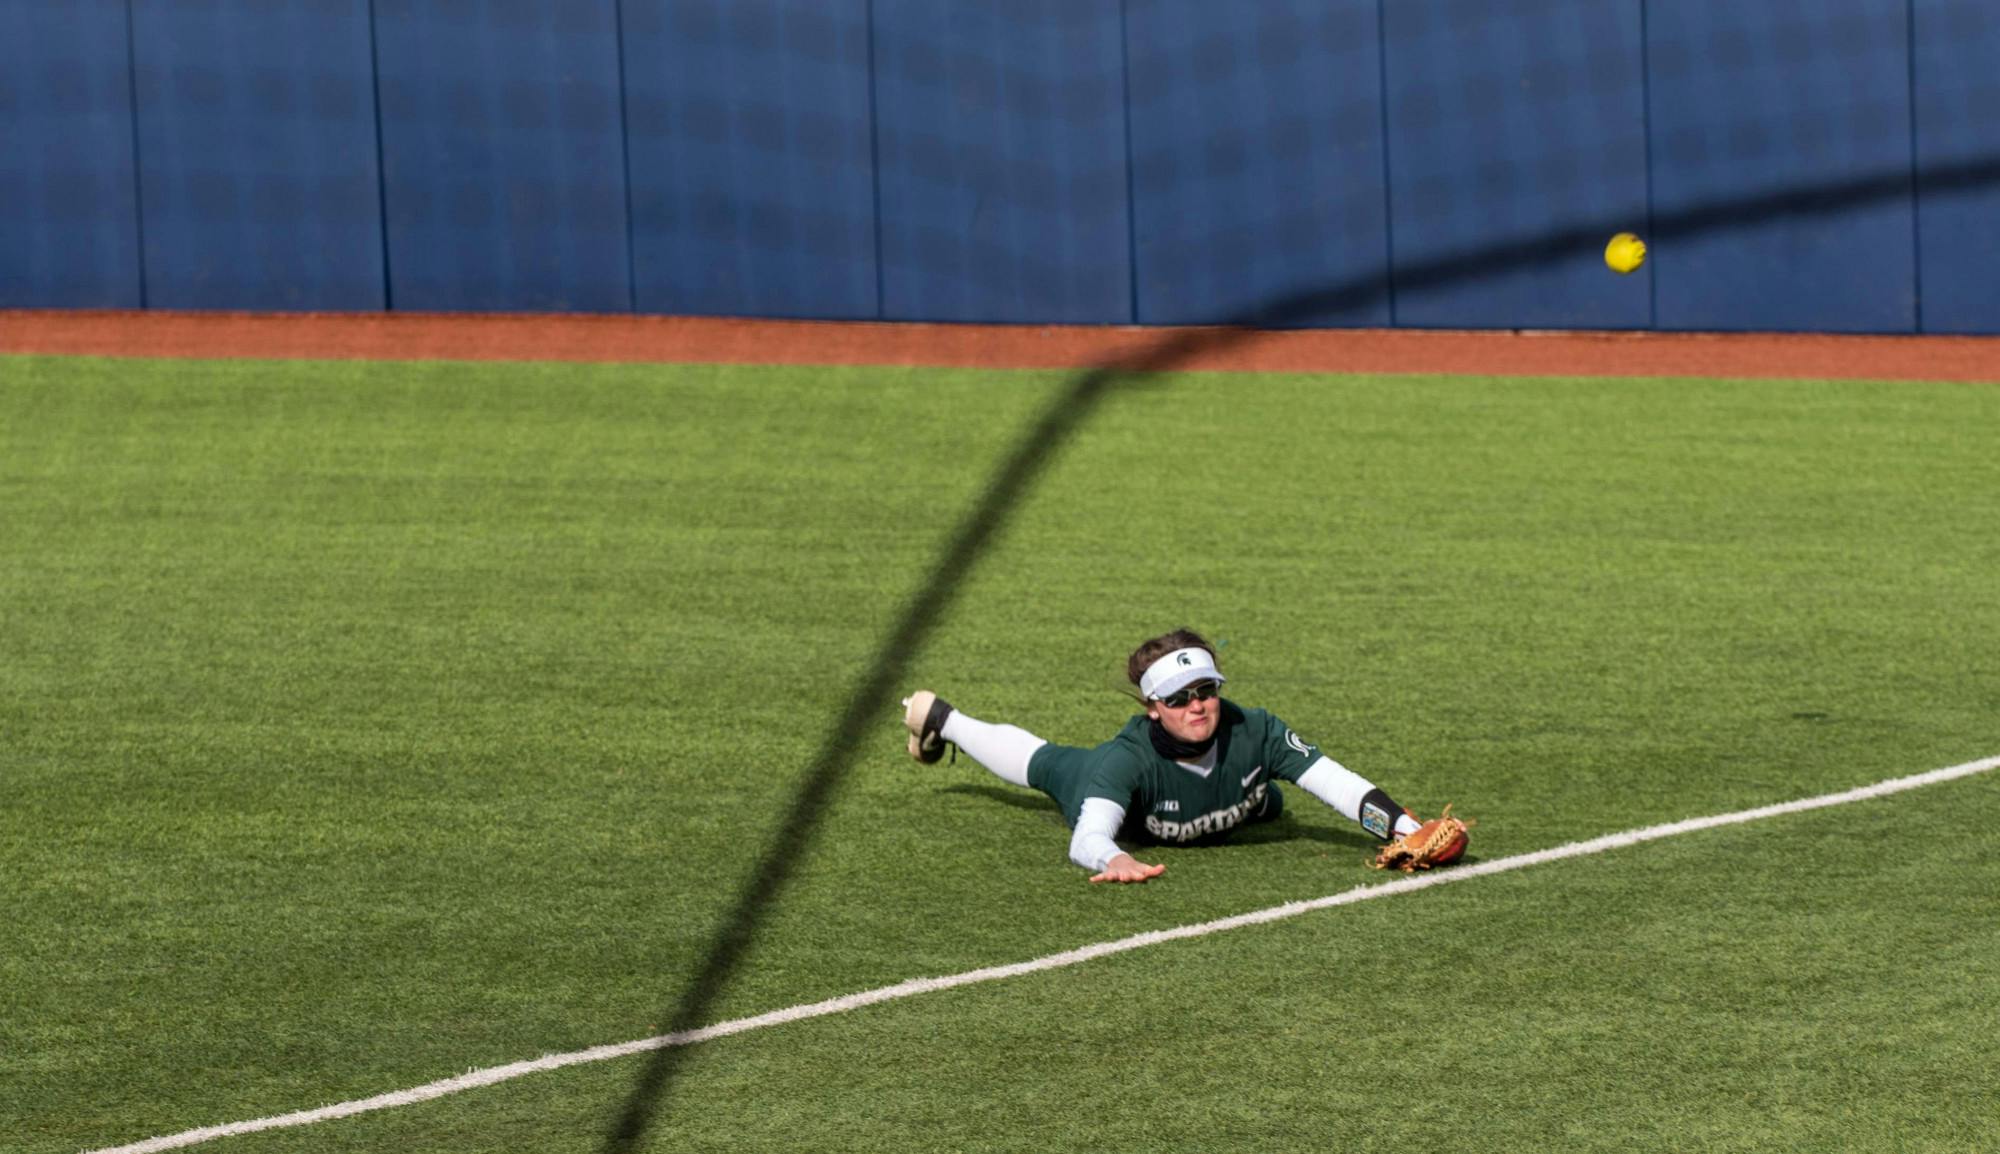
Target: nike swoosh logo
x: 1252, y: 776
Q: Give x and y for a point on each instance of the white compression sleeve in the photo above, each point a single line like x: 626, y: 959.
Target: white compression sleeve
x: 1337, y: 786
x: 1091, y: 846
x: 1343, y: 789
x: 1004, y: 749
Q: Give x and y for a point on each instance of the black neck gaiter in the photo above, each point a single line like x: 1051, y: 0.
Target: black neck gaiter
x: 1171, y: 747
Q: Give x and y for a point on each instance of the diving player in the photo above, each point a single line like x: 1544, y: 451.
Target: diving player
x: 1193, y: 766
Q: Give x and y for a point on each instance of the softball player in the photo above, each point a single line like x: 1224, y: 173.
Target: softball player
x: 1191, y: 768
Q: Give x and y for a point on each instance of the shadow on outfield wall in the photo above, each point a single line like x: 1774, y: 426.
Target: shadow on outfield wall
x: 1037, y: 448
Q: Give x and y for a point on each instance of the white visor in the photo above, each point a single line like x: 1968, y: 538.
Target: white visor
x: 1176, y: 671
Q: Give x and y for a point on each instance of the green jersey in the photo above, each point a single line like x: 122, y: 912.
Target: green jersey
x: 1174, y: 801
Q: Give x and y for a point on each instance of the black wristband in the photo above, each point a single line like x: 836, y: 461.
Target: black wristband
x: 1379, y: 814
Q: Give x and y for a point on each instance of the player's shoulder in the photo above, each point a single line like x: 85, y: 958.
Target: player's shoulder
x: 1130, y: 742
x: 1134, y: 729
x: 1252, y: 720
x: 1126, y: 756
x: 1267, y: 729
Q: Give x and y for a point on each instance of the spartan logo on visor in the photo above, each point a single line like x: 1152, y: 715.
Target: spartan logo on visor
x: 1177, y: 670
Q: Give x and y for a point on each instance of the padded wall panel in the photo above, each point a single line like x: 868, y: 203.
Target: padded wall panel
x: 1781, y: 165
x: 753, y: 190
x: 1001, y: 137
x: 1957, y: 60
x: 69, y: 218
x: 1517, y: 146
x: 503, y: 155
x: 1257, y: 162
x: 256, y: 153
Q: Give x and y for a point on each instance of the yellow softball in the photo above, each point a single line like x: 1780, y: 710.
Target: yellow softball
x: 1625, y: 253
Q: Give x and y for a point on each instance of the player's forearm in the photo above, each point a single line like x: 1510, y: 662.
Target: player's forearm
x: 1092, y: 845
x: 1357, y: 798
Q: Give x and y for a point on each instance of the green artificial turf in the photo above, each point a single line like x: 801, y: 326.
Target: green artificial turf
x: 361, y: 724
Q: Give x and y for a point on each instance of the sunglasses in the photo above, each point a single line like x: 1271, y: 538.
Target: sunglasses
x: 1201, y: 692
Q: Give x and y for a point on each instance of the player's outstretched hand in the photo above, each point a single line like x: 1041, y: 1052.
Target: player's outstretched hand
x: 1126, y: 868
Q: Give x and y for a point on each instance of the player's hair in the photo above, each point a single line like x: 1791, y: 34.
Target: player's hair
x: 1155, y: 648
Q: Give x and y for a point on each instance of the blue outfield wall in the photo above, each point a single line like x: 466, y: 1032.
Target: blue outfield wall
x: 256, y: 155
x: 1431, y: 163
x: 69, y: 213
x: 503, y: 155
x: 1957, y: 88
x: 1541, y: 130
x: 751, y: 148
x: 1257, y: 160
x: 1000, y: 146
x: 1742, y: 114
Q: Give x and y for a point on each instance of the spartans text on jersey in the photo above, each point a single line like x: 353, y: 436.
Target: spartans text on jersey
x: 1214, y: 821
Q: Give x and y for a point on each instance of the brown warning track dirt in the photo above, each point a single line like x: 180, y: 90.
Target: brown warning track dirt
x: 716, y: 340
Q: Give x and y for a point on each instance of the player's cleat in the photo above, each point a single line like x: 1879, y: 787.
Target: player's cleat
x: 924, y: 714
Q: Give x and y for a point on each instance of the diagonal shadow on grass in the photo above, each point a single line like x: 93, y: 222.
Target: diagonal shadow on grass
x: 1043, y: 441
x: 1038, y: 803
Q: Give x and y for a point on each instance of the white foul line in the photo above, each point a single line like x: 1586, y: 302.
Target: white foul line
x: 915, y: 986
